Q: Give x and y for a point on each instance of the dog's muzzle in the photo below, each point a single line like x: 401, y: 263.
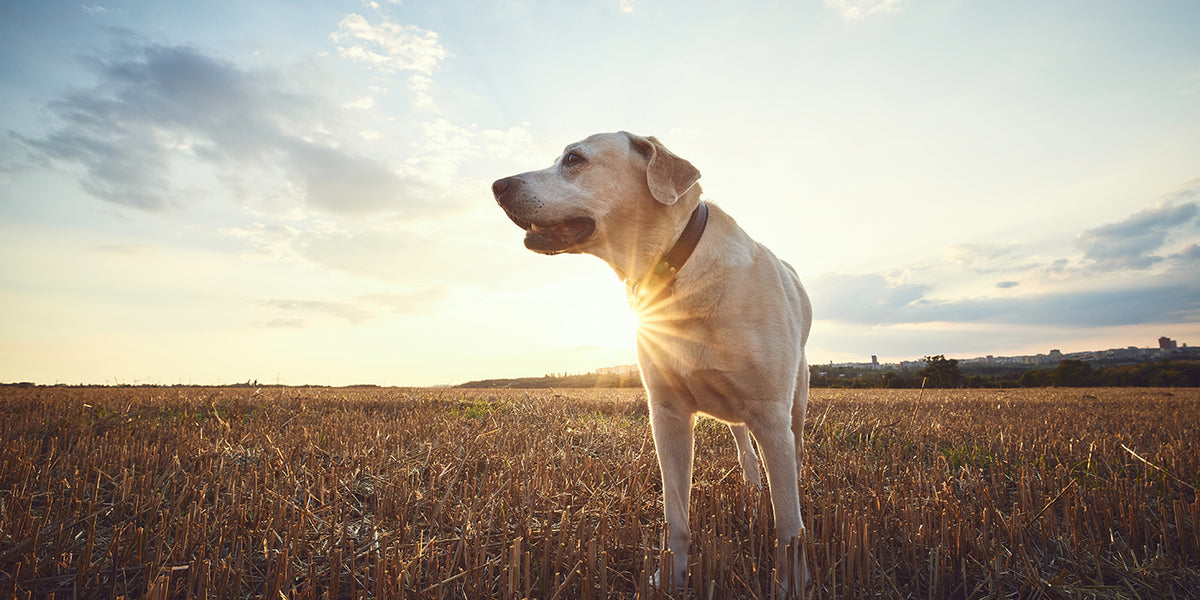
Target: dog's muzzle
x: 546, y: 237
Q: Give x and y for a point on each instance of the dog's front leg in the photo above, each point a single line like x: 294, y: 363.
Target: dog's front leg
x: 673, y: 442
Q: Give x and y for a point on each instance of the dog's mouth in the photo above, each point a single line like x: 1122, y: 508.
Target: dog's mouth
x: 556, y: 238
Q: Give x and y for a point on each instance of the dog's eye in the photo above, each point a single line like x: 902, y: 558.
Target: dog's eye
x: 571, y: 159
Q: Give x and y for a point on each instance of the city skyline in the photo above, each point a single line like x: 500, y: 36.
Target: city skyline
x: 1053, y: 355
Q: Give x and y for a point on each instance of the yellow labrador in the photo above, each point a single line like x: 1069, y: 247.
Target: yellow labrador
x: 723, y: 322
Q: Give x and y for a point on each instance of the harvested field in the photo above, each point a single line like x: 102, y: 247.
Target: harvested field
x: 189, y: 492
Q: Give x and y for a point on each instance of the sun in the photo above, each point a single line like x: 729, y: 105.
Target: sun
x: 601, y: 316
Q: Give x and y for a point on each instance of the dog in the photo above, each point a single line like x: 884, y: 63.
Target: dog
x: 722, y: 321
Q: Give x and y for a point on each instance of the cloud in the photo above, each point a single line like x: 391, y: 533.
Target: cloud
x: 981, y: 256
x: 94, y: 9
x: 1131, y: 244
x: 125, y: 250
x: 376, y: 253
x: 457, y: 165
x: 1157, y: 303
x: 344, y: 310
x: 362, y: 103
x: 1188, y: 256
x: 342, y: 183
x: 407, y: 302
x: 1111, y: 281
x: 388, y: 46
x: 124, y: 167
x: 1136, y: 248
x: 420, y: 84
x: 867, y: 298
x: 392, y: 47
x: 357, y: 311
x: 873, y: 300
x: 155, y: 109
x: 450, y: 253
x: 446, y: 147
x: 287, y: 323
x: 858, y: 9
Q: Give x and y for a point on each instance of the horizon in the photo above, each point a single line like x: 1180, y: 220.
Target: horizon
x: 209, y: 193
x: 266, y: 382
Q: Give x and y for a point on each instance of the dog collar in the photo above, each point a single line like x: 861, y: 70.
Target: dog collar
x: 673, y: 260
x: 662, y: 274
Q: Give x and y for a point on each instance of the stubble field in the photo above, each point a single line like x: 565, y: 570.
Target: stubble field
x: 407, y: 493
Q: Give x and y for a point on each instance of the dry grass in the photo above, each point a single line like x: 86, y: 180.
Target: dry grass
x: 347, y: 493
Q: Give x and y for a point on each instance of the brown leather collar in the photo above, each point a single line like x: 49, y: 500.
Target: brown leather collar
x: 661, y: 277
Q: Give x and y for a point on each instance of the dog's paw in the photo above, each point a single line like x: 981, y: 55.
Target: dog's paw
x: 659, y: 582
x: 786, y: 587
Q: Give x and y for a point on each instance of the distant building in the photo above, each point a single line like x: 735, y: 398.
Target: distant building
x: 1166, y: 343
x: 618, y: 370
x: 1040, y: 359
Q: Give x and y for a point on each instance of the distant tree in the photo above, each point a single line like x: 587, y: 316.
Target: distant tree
x: 892, y: 379
x: 1172, y: 374
x: 821, y: 376
x: 1033, y: 378
x: 940, y: 372
x: 1072, y: 373
x: 975, y: 381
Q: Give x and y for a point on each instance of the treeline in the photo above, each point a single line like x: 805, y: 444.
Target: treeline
x: 587, y: 380
x: 940, y: 372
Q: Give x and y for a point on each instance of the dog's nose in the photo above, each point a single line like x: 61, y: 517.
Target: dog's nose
x: 501, y: 186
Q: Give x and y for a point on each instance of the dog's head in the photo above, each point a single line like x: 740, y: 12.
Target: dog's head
x: 595, y: 192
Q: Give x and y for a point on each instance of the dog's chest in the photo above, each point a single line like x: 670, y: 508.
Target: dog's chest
x: 705, y: 376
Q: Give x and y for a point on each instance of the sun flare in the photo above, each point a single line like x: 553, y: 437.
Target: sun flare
x: 601, y: 316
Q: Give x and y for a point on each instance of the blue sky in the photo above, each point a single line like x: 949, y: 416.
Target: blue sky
x: 221, y: 191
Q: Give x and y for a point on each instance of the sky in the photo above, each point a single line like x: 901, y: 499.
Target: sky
x: 299, y: 191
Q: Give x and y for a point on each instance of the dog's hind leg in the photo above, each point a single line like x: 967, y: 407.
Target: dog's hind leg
x: 747, y: 458
x: 778, y: 446
x: 799, y: 409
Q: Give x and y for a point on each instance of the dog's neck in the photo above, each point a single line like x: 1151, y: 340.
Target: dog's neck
x: 634, y: 252
x: 650, y: 261
x: 657, y: 284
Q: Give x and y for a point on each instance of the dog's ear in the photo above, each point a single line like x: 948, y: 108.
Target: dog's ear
x: 668, y: 175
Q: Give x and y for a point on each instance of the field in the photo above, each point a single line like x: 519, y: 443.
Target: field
x: 408, y: 493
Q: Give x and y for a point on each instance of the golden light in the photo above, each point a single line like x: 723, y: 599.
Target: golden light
x: 659, y: 310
